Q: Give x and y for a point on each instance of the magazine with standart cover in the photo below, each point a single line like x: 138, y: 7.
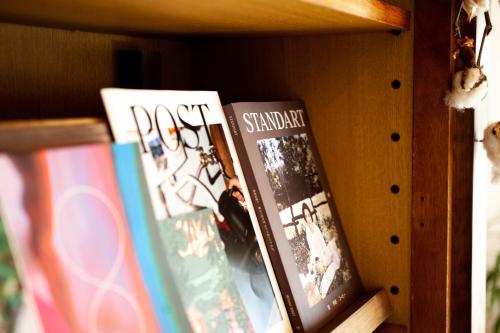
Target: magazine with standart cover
x: 187, y: 169
x: 291, y: 200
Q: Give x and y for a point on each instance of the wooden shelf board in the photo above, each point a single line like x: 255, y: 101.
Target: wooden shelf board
x: 48, y: 123
x: 209, y: 17
x: 27, y: 135
x: 391, y: 328
x: 364, y: 315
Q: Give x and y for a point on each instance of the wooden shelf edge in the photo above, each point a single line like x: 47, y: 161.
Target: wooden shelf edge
x: 391, y: 328
x: 28, y: 135
x: 217, y: 17
x: 373, y: 10
x: 41, y: 123
x: 364, y: 315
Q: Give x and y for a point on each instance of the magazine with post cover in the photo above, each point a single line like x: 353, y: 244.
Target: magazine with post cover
x: 279, y: 166
x: 189, y: 254
x: 188, y: 168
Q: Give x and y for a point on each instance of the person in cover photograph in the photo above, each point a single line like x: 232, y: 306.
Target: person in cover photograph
x: 324, y: 258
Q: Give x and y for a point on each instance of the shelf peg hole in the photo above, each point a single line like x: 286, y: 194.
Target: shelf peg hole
x: 396, y: 84
x: 395, y: 189
x: 394, y: 239
x: 395, y: 136
x: 394, y: 290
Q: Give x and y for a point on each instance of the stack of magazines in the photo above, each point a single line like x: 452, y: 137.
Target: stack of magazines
x: 197, y: 218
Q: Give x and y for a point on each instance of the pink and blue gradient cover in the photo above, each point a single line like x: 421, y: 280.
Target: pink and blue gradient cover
x: 85, y: 266
x: 81, y: 225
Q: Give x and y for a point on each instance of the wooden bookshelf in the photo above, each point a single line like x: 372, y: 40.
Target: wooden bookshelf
x: 209, y: 17
x: 344, y: 79
x: 386, y: 155
x: 364, y: 315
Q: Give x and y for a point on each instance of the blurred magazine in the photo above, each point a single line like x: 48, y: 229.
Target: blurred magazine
x: 202, y: 274
x: 69, y: 234
x: 188, y: 168
x: 24, y: 136
x: 186, y: 251
x: 11, y: 299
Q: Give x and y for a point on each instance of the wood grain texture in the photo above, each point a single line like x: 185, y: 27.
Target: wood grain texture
x: 202, y: 17
x: 461, y: 191
x: 429, y: 241
x: 378, y: 11
x: 461, y: 175
x: 442, y: 182
x: 345, y: 82
x: 51, y: 73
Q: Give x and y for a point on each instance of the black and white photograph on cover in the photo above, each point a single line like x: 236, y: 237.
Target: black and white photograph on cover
x: 305, y: 215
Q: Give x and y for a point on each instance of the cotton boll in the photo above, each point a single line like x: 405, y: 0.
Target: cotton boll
x: 462, y: 99
x: 469, y: 87
x: 491, y: 143
x: 470, y: 77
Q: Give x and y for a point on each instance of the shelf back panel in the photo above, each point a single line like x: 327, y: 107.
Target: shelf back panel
x: 55, y: 73
x: 346, y: 82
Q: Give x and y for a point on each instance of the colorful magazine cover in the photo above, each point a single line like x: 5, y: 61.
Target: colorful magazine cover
x: 202, y: 274
x: 11, y: 299
x: 151, y: 257
x: 187, y: 168
x: 68, y: 230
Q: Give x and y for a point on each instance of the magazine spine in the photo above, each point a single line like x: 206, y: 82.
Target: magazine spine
x: 262, y: 219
